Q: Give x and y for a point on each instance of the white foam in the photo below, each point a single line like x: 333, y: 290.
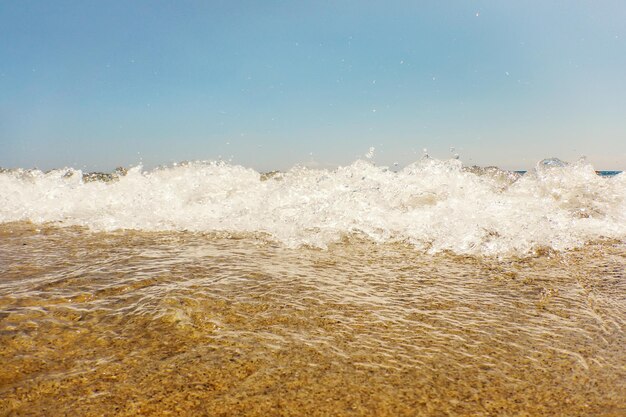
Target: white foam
x: 435, y: 205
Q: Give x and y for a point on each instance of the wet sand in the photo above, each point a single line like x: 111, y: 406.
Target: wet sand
x: 137, y: 323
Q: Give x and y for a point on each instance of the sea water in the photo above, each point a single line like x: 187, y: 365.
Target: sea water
x: 207, y: 288
x: 432, y: 205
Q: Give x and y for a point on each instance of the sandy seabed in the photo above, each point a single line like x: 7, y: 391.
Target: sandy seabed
x: 137, y: 323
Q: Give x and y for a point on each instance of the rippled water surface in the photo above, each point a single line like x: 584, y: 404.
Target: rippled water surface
x: 127, y: 323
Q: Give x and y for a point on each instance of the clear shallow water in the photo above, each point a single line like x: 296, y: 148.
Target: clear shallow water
x: 355, y: 292
x: 122, y: 323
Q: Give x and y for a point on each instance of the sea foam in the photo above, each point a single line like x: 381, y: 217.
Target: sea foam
x: 435, y: 205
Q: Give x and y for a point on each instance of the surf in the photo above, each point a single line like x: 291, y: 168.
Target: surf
x: 434, y: 205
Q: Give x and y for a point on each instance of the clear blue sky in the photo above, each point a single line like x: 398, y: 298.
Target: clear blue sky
x: 97, y: 84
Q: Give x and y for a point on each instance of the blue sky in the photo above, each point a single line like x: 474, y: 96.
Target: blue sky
x: 271, y: 84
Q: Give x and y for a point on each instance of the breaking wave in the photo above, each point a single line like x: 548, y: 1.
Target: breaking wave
x: 435, y: 205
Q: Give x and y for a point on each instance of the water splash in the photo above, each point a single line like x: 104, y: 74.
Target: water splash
x: 435, y: 205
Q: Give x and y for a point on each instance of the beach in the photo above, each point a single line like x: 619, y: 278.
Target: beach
x: 312, y: 209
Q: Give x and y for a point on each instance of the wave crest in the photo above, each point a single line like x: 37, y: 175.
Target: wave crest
x: 436, y: 205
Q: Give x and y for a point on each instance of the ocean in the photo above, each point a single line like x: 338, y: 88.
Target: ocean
x: 206, y: 288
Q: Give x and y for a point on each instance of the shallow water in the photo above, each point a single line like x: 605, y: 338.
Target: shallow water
x: 127, y: 323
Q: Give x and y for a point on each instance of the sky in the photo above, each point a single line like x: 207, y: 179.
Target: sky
x: 271, y: 84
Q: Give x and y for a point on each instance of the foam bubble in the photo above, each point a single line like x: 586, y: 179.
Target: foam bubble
x: 433, y: 204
